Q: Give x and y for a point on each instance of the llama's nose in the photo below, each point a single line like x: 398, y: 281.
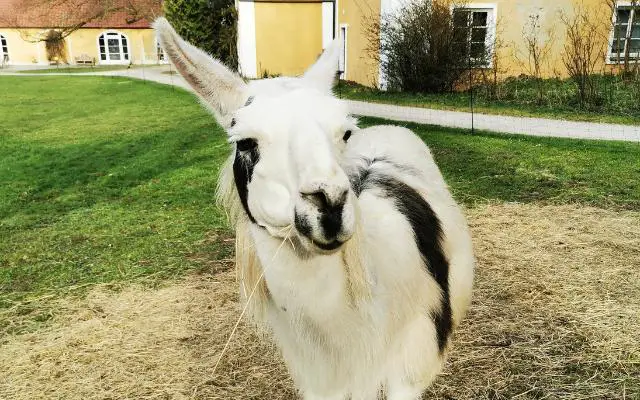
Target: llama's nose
x: 326, y: 200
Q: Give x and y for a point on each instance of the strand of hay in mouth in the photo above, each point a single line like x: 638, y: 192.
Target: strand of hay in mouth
x: 556, y: 315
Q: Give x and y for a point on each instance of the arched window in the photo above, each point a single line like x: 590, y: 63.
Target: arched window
x: 4, y: 50
x: 113, y: 48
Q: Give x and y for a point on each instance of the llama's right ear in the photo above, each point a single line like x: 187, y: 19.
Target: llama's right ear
x: 322, y: 74
x: 219, y: 88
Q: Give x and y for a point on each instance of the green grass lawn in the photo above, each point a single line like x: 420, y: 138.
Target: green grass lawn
x: 70, y: 69
x: 103, y: 179
x: 490, y: 166
x: 518, y: 99
x: 110, y: 179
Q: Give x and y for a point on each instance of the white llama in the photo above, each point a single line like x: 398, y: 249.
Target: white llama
x: 350, y: 249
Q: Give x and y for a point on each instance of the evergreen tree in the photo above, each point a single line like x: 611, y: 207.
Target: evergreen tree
x: 208, y: 24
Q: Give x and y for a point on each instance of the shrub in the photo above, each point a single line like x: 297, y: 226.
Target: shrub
x: 55, y: 46
x: 583, y: 51
x: 208, y: 24
x: 422, y: 49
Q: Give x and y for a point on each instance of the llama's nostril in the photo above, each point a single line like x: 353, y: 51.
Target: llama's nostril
x: 324, y: 201
x: 318, y: 199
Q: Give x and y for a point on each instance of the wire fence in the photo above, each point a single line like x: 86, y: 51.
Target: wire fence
x: 517, y: 106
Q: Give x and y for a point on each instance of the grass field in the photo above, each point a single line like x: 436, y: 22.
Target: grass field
x: 519, y: 98
x: 115, y: 273
x: 69, y: 69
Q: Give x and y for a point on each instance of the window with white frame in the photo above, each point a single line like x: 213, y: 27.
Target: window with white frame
x: 474, y: 33
x: 4, y: 50
x: 113, y: 48
x: 625, y: 38
x: 162, y: 58
x: 342, y: 60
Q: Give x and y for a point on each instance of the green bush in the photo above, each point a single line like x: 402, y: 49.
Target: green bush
x: 425, y: 46
x: 208, y: 24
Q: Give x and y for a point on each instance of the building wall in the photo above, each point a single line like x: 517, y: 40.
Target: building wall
x: 23, y: 52
x: 288, y: 37
x: 513, y: 17
x: 142, y: 45
x: 357, y: 15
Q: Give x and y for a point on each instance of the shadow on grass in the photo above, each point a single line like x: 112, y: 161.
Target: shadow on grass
x: 49, y: 182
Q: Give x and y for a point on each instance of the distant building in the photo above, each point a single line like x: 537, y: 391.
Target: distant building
x: 110, y: 40
x: 286, y: 36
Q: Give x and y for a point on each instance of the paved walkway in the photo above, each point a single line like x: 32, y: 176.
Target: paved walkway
x: 455, y: 119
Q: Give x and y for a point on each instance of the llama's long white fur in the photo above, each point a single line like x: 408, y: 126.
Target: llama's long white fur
x: 360, y: 319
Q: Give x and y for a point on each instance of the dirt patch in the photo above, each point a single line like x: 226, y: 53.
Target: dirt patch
x: 556, y: 314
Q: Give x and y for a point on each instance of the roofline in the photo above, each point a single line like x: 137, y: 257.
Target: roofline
x: 84, y: 27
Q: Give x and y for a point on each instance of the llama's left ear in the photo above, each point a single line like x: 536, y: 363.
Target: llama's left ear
x: 222, y: 90
x: 322, y: 74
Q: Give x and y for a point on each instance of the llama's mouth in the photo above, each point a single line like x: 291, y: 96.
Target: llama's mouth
x: 313, y: 246
x: 328, y: 246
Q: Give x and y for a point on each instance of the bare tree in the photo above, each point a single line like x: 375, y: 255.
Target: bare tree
x: 491, y: 76
x: 583, y: 51
x: 538, y: 46
x: 67, y: 16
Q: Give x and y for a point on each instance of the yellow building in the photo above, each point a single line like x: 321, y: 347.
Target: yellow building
x: 111, y: 40
x: 286, y: 36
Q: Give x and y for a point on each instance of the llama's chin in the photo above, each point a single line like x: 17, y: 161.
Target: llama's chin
x: 308, y: 247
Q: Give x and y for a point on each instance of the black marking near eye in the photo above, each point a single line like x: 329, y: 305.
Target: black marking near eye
x: 428, y: 234
x: 347, y: 135
x: 233, y: 122
x: 245, y: 145
x: 243, y: 166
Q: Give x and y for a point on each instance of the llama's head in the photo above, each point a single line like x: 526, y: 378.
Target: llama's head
x: 289, y: 134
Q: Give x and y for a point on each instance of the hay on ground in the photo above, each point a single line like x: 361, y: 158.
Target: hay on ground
x: 556, y: 314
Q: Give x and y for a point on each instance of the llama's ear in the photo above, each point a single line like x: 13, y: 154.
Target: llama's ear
x: 219, y: 88
x: 322, y: 74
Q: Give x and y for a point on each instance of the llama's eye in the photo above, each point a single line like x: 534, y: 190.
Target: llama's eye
x: 233, y: 122
x: 246, y: 144
x: 347, y: 135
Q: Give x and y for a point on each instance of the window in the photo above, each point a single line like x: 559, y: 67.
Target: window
x: 625, y: 38
x: 161, y: 57
x: 342, y: 61
x: 4, y: 50
x: 474, y: 33
x: 113, y: 48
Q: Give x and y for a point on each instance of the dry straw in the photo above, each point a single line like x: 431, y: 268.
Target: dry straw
x: 556, y: 315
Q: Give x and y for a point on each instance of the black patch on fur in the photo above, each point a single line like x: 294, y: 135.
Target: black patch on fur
x: 360, y: 181
x: 243, y: 166
x: 331, y: 221
x: 249, y: 101
x: 428, y: 234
